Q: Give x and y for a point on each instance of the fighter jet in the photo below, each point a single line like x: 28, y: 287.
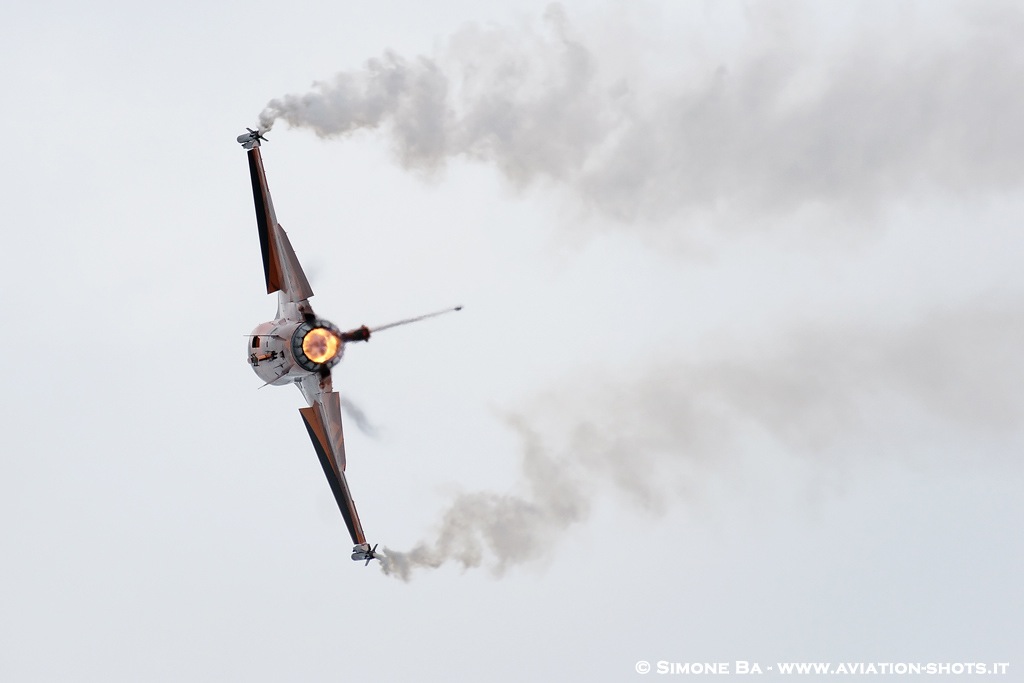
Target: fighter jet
x: 298, y: 347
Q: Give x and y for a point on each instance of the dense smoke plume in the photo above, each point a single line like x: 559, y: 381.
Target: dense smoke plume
x: 651, y: 439
x: 782, y: 123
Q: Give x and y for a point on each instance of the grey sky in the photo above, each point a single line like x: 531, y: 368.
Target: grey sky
x: 744, y: 388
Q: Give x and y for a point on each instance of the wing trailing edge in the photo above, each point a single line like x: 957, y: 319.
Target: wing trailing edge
x: 281, y: 266
x: 323, y: 422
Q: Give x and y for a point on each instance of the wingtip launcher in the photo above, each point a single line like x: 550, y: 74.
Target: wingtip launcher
x: 363, y: 551
x: 251, y: 140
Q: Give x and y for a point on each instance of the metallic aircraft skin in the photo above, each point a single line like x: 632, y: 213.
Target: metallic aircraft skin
x: 297, y: 347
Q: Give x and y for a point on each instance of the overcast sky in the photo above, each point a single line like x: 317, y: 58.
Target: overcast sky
x: 738, y: 375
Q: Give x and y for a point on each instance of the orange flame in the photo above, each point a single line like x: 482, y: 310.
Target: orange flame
x: 320, y: 345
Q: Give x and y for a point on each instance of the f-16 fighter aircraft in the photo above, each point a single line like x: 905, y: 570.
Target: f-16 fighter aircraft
x: 297, y: 347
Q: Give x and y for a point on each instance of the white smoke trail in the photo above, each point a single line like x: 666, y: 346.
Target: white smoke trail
x: 785, y: 125
x: 653, y: 438
x: 502, y: 530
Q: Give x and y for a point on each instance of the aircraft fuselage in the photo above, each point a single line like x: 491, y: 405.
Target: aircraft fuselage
x: 285, y: 351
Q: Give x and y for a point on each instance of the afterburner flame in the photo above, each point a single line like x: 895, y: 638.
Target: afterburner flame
x: 320, y: 345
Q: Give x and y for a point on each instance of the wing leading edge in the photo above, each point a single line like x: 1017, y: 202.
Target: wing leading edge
x: 280, y: 265
x: 323, y: 422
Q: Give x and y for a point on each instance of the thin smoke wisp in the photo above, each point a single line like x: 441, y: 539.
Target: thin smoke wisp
x: 358, y: 415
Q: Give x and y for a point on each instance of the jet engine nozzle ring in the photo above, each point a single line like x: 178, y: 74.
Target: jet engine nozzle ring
x: 317, y: 345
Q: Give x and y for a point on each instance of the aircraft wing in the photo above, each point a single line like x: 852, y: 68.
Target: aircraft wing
x: 280, y: 265
x: 323, y: 422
